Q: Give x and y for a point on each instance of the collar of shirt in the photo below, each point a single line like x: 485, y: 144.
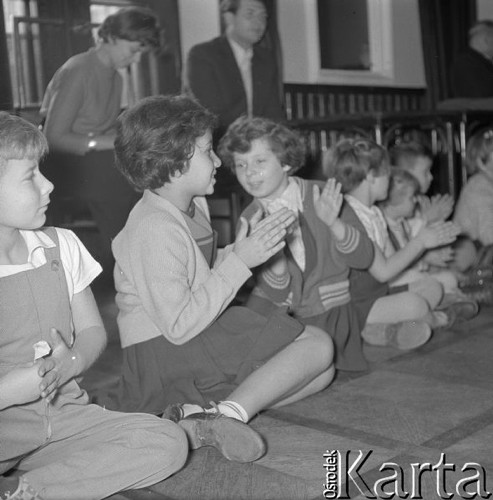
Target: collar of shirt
x: 241, y: 55
x: 36, y: 242
x: 391, y: 222
x: 290, y: 198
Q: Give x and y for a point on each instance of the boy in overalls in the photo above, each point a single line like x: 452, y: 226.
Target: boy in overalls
x: 57, y: 444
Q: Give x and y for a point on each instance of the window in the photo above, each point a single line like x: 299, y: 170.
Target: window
x: 336, y: 18
x: 351, y: 42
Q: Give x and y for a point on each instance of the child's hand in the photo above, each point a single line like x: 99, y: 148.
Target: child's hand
x: 57, y: 368
x: 438, y: 234
x: 328, y: 202
x: 437, y: 208
x: 266, y: 237
x: 440, y: 257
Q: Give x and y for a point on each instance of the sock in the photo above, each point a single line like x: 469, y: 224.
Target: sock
x: 227, y: 408
x: 189, y: 409
x: 233, y: 410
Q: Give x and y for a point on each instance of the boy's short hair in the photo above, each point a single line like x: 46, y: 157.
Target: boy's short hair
x: 156, y: 138
x: 351, y: 160
x: 479, y: 147
x: 285, y: 143
x: 401, y: 181
x: 136, y: 24
x: 20, y: 139
x: 404, y: 154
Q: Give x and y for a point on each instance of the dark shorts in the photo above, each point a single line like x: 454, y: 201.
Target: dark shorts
x: 209, y: 367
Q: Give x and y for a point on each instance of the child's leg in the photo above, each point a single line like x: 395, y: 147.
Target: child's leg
x: 465, y: 254
x: 300, y: 369
x: 95, y: 453
x: 448, y: 280
x: 400, y: 320
x: 405, y: 306
x: 430, y: 289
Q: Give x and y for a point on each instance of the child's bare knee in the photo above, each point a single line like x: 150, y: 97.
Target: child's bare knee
x: 321, y: 343
x: 429, y: 289
x: 417, y: 306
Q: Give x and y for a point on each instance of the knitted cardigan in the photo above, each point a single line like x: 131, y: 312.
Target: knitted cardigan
x: 327, y: 285
x: 164, y: 284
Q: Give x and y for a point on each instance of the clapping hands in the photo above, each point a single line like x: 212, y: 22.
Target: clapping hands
x: 437, y: 208
x: 328, y: 202
x: 438, y: 234
x: 260, y: 239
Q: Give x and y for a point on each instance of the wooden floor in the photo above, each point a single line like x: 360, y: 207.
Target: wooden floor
x: 409, y: 408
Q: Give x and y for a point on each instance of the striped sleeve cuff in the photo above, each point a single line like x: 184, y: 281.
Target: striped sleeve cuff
x: 278, y: 282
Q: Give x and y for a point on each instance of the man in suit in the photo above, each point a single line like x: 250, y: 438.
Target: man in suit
x: 472, y: 70
x: 232, y: 75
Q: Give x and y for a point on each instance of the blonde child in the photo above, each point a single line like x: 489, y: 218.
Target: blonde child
x: 416, y: 158
x: 398, y: 209
x: 401, y: 317
x: 182, y: 345
x: 309, y: 276
x: 60, y: 446
x: 449, y: 261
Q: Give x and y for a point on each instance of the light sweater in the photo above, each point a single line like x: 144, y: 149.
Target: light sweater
x: 164, y: 284
x: 83, y: 97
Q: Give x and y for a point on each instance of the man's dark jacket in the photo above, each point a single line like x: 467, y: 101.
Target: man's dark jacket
x: 214, y: 79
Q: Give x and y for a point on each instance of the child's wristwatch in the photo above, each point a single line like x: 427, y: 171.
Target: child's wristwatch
x: 91, y: 143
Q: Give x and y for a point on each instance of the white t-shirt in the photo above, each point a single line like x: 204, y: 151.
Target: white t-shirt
x: 80, y: 267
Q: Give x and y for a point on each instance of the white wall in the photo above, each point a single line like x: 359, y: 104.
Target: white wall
x: 200, y: 21
x: 485, y: 9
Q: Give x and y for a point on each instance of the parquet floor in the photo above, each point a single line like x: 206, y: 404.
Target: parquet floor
x: 409, y: 408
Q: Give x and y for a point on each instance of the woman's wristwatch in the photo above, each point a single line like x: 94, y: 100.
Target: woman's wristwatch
x: 91, y: 143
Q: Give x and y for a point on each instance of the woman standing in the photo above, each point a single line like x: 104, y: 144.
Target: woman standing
x: 81, y: 105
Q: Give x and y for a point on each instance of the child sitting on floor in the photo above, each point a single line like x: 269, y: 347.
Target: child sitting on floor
x: 57, y: 444
x: 309, y: 275
x: 449, y: 261
x: 181, y: 343
x: 398, y: 208
x: 416, y: 158
x: 401, y: 317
